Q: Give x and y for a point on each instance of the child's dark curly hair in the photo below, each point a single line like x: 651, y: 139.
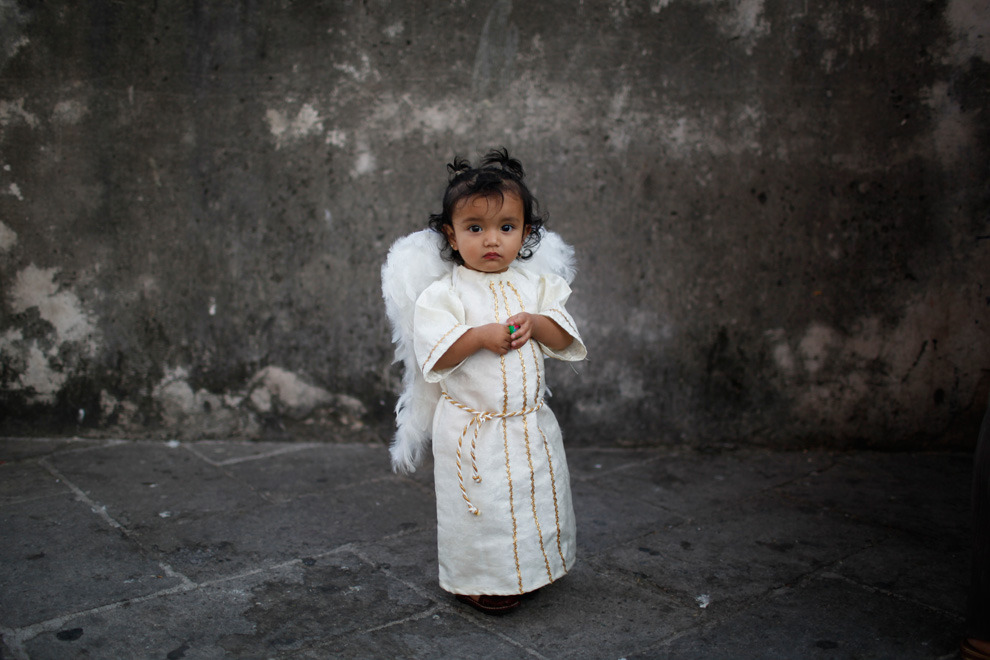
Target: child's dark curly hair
x: 497, y: 175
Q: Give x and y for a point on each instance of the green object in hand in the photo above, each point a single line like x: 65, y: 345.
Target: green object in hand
x: 512, y: 329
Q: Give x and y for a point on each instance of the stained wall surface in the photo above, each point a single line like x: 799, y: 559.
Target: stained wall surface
x: 780, y: 208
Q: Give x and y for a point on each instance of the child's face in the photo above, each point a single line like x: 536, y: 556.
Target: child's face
x: 488, y: 232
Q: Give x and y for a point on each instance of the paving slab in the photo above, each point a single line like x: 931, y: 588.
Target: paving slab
x: 591, y: 607
x: 331, y: 598
x: 821, y: 619
x: 58, y: 556
x: 436, y: 634
x: 224, y: 543
x: 925, y: 569
x: 606, y: 517
x: 19, y: 449
x: 592, y: 612
x: 311, y: 470
x: 138, y: 482
x: 27, y: 482
x: 184, y: 623
x: 227, y: 452
x: 739, y: 553
x: 226, y: 549
x: 917, y: 492
x: 692, y: 486
x: 409, y: 557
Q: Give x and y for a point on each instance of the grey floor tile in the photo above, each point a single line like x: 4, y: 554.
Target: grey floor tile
x: 438, y: 634
x: 817, y: 620
x: 606, y: 517
x: 924, y: 493
x: 312, y: 470
x: 209, y: 545
x: 933, y: 570
x: 58, y: 557
x: 693, y: 484
x: 141, y: 482
x: 741, y: 552
x: 273, y: 613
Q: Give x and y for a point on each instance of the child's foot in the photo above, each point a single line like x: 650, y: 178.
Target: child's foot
x: 491, y: 604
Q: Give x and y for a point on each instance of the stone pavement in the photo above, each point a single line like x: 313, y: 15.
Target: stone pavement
x: 221, y: 549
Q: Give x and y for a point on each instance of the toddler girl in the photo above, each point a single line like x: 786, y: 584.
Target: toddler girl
x: 480, y: 331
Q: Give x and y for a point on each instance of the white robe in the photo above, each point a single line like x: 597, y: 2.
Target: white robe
x: 511, y: 470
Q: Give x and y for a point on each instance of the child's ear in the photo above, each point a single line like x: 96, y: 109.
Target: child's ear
x: 449, y: 231
x: 526, y: 230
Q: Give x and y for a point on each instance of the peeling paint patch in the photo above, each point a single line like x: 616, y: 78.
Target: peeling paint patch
x: 273, y: 387
x: 40, y: 376
x: 783, y: 356
x: 336, y: 138
x: 364, y: 162
x: 40, y: 366
x: 549, y: 109
x: 865, y: 379
x: 306, y: 122
x: 195, y: 413
x: 198, y: 413
x: 68, y: 112
x: 619, y: 10
x: 12, y: 111
x: 650, y: 327
x: 403, y: 116
x: 12, y: 23
x: 362, y: 74
x: 174, y: 394
x: 126, y: 411
x: 35, y: 373
x: 683, y: 134
x: 632, y: 389
x: 8, y: 238
x: 815, y: 347
x: 15, y: 191
x: 12, y: 48
x: 36, y: 287
x: 745, y: 22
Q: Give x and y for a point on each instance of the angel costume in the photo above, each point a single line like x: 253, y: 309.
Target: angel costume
x: 505, y: 522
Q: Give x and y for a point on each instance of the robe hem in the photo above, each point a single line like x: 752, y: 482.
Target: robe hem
x: 462, y: 592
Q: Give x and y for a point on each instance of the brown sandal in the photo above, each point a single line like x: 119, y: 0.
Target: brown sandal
x: 490, y: 604
x: 970, y: 652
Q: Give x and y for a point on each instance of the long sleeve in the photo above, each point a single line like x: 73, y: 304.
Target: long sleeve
x: 553, y: 295
x: 439, y: 321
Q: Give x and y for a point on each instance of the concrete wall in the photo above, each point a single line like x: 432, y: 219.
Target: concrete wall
x: 780, y: 208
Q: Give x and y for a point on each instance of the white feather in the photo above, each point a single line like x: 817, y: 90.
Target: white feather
x: 552, y: 255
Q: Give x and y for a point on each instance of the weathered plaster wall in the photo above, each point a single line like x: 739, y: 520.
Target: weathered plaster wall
x: 780, y: 208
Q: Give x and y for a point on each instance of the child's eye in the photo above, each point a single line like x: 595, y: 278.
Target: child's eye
x: 508, y: 228
x: 474, y: 229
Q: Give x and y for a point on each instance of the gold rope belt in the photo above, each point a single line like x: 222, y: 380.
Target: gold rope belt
x: 478, y: 417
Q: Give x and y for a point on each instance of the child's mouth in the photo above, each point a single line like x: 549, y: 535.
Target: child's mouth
x: 492, y: 255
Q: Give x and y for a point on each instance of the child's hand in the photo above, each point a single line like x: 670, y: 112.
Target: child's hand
x: 523, y: 324
x: 494, y: 337
x: 539, y: 328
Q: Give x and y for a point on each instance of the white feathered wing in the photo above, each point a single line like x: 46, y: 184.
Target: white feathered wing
x: 414, y: 263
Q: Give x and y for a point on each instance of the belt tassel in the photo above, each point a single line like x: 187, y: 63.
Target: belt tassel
x: 478, y: 417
